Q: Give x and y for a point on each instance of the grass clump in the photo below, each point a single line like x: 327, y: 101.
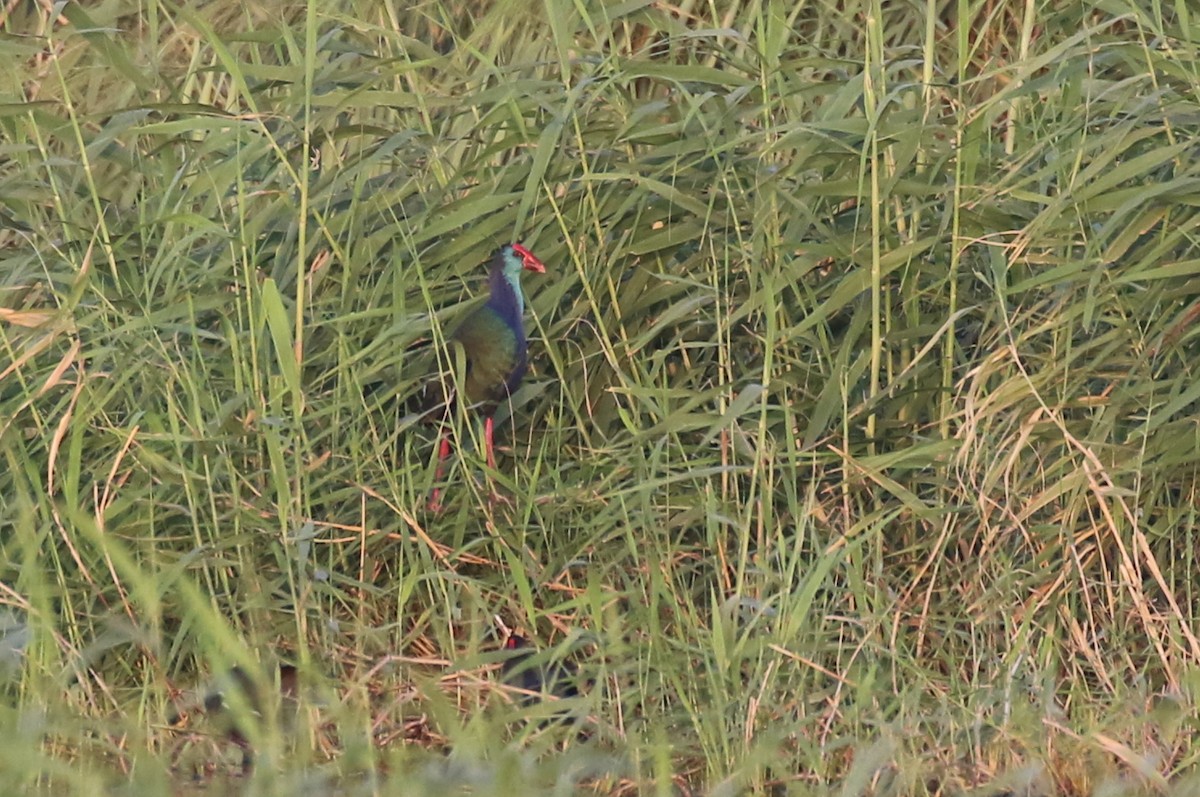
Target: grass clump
x: 858, y: 453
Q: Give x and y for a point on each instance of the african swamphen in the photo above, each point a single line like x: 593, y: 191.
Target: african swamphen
x: 493, y: 339
x: 238, y: 694
x: 526, y: 670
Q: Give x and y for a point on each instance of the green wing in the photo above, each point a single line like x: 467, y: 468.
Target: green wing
x: 491, y: 348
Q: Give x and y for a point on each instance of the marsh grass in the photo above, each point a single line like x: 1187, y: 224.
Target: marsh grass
x: 858, y: 454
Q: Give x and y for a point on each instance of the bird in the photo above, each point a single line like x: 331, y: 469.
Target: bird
x: 496, y: 349
x: 532, y: 676
x: 238, y: 694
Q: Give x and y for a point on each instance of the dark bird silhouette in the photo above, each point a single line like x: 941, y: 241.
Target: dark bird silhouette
x: 496, y: 349
x: 237, y: 696
x: 528, y: 672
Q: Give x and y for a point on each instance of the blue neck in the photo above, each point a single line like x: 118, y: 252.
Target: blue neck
x: 506, y: 297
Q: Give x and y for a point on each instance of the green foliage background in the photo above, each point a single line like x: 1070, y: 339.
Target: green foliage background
x: 859, y: 451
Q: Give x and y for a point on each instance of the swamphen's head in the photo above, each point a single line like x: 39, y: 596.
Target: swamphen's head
x: 514, y: 258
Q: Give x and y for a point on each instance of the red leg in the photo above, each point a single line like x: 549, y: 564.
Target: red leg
x: 489, y: 441
x: 435, y: 504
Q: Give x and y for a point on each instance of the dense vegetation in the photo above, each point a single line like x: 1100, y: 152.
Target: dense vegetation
x: 858, y: 455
